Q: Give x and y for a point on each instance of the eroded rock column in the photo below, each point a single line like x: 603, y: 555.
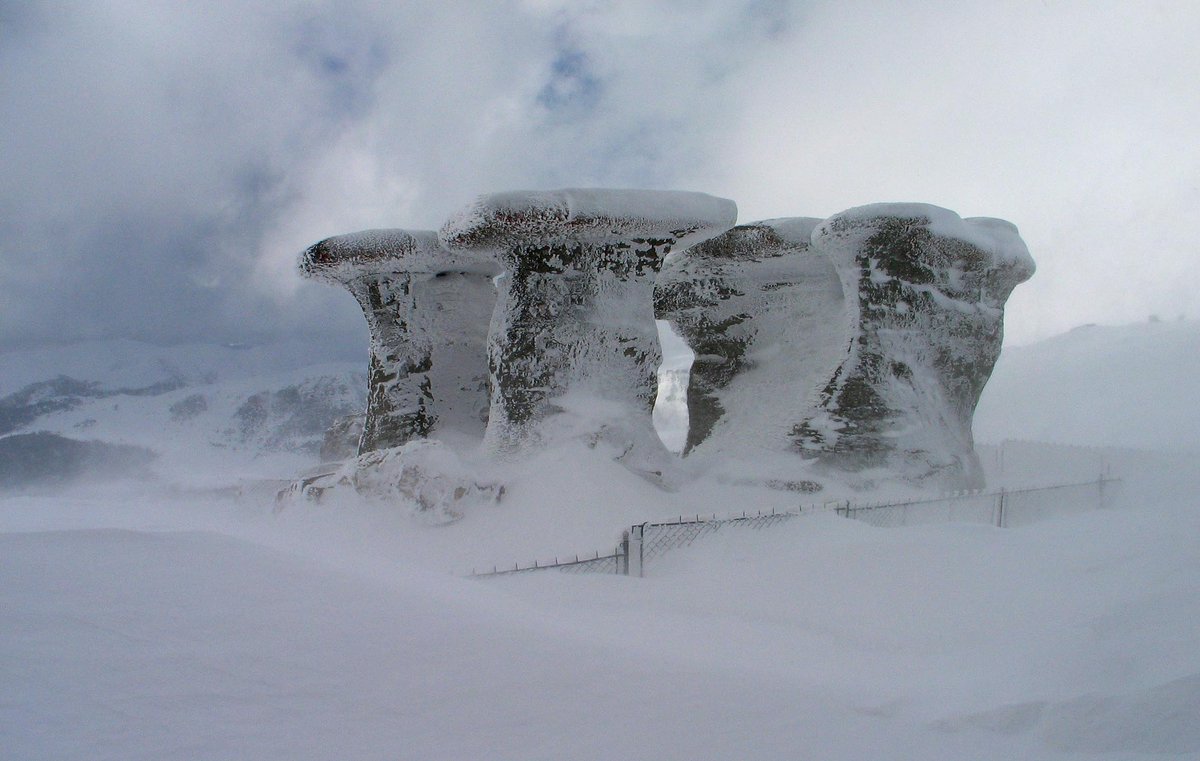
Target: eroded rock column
x: 428, y: 311
x: 573, y: 348
x: 926, y: 293
x: 764, y: 314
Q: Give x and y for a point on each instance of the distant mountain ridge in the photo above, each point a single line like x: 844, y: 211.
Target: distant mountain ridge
x: 230, y: 409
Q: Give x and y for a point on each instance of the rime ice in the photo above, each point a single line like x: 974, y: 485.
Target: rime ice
x: 573, y: 348
x: 925, y: 296
x: 763, y: 313
x: 428, y: 311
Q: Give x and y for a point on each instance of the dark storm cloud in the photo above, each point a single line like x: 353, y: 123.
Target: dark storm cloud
x: 147, y: 148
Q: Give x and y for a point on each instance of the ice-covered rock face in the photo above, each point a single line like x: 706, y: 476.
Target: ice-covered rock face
x: 926, y: 293
x: 428, y: 310
x: 573, y: 348
x: 763, y: 313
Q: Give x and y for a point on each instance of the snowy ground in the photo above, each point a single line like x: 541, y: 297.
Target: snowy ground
x: 138, y: 621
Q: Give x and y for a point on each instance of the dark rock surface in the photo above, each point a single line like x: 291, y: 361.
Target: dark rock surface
x: 926, y: 293
x: 341, y: 438
x: 188, y: 407
x: 428, y: 311
x: 294, y: 417
x: 573, y: 349
x: 46, y: 459
x: 764, y: 314
x: 60, y: 394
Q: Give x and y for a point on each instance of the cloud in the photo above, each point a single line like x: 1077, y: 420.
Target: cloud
x: 164, y: 163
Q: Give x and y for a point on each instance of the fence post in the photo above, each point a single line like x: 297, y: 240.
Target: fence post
x: 633, y: 550
x: 1000, y: 509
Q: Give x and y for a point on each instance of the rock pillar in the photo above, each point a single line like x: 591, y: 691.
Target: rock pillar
x: 764, y: 314
x: 428, y: 312
x: 573, y: 348
x: 925, y: 293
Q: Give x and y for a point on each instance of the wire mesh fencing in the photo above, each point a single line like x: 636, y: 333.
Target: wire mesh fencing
x: 1025, y: 506
x: 1001, y: 508
x: 964, y: 507
x: 615, y: 562
x: 646, y: 542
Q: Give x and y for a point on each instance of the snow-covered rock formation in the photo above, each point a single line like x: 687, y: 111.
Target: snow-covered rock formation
x: 763, y: 313
x: 573, y: 348
x: 925, y: 301
x: 425, y: 475
x: 428, y: 310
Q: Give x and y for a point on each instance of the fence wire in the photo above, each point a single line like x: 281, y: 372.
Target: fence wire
x: 1031, y: 505
x: 658, y: 538
x: 612, y: 563
x: 648, y: 541
x: 971, y: 507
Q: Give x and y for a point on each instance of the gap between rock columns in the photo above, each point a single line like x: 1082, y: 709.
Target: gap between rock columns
x: 573, y: 348
x: 428, y: 310
x: 764, y: 314
x: 925, y: 295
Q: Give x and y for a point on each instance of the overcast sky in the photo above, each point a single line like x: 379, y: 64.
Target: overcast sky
x: 164, y: 163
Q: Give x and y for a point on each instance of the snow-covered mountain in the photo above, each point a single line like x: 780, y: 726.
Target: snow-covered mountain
x: 204, y: 411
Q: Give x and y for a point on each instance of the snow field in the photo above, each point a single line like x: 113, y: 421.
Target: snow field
x: 156, y: 620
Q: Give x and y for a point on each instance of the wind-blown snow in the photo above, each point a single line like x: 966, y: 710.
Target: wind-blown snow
x: 1130, y: 385
x: 137, y: 623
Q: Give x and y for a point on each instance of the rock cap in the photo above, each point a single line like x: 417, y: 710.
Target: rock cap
x: 386, y: 251
x: 501, y: 220
x: 995, y: 237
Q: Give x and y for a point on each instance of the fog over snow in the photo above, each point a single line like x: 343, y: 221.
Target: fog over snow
x: 163, y: 616
x: 165, y: 163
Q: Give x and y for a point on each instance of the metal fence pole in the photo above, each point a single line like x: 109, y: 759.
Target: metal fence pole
x: 633, y: 550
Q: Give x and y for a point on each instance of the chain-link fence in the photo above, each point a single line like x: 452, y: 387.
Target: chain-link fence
x: 998, y: 508
x: 1025, y: 506
x: 615, y: 562
x: 967, y: 507
x: 645, y: 542
x: 650, y: 540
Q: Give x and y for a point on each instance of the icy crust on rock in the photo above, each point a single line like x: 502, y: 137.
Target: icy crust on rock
x: 426, y: 475
x: 428, y: 310
x: 573, y: 347
x: 925, y: 296
x: 501, y: 220
x: 997, y: 237
x: 763, y: 313
x: 343, y: 258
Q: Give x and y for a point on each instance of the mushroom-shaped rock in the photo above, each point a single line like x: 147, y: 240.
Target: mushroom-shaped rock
x: 926, y: 293
x: 573, y: 348
x: 764, y: 314
x: 428, y: 310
